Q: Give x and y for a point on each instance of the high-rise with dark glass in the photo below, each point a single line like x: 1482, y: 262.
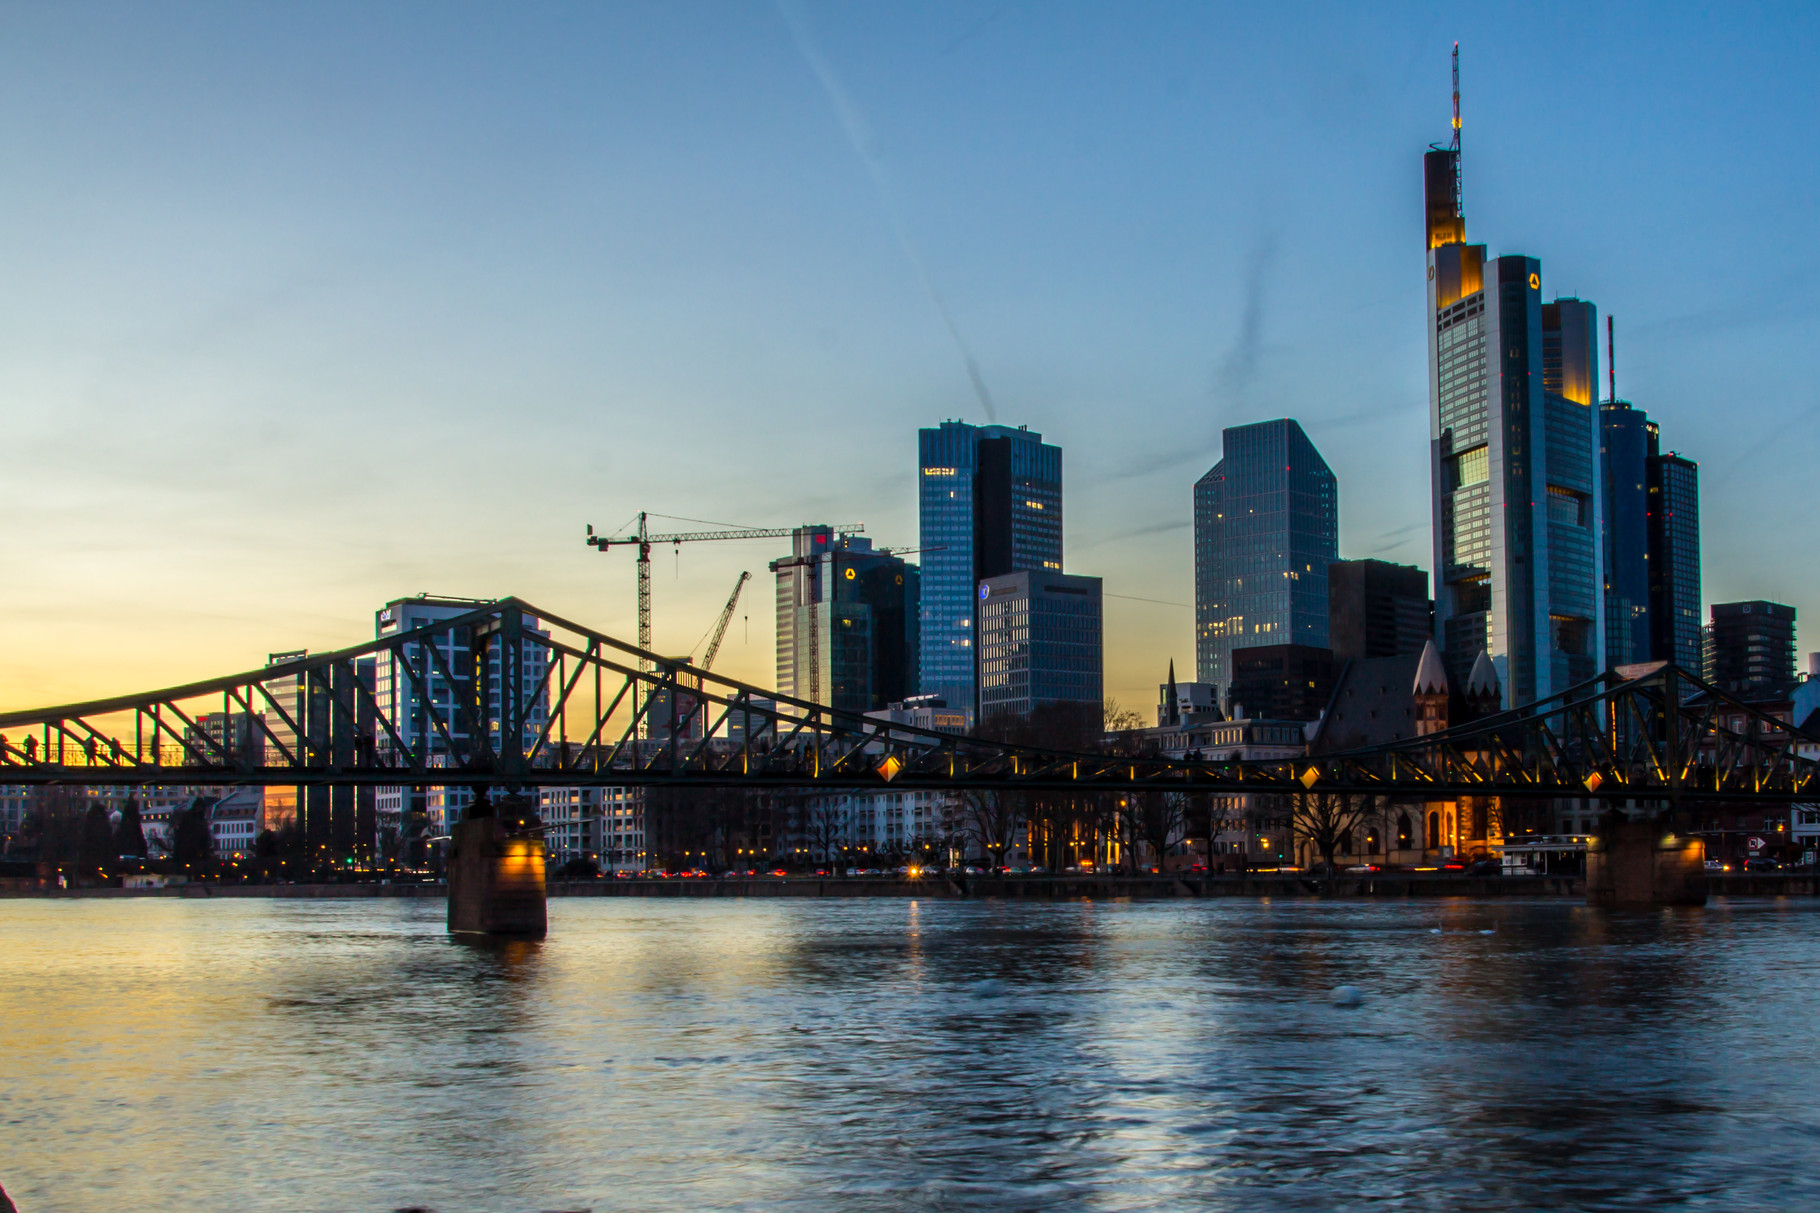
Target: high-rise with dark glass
x: 1266, y: 525
x: 1625, y: 437
x: 1673, y: 485
x: 1753, y: 648
x: 1652, y: 543
x: 1515, y: 461
x: 989, y: 503
x: 846, y: 622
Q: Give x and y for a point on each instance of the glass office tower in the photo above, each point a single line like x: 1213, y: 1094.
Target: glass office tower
x: 1625, y: 436
x: 846, y: 622
x: 989, y: 503
x: 1674, y: 557
x: 1266, y: 525
x: 1517, y: 482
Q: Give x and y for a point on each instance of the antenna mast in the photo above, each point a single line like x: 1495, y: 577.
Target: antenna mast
x: 1611, y: 361
x: 1458, y: 177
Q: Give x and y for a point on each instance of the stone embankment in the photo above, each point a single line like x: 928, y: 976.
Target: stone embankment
x: 1024, y: 888
x: 1071, y: 888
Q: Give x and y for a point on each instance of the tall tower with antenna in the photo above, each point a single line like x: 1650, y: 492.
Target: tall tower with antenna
x: 1515, y: 456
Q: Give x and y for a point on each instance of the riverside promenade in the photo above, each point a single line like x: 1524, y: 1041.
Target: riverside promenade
x: 1015, y: 888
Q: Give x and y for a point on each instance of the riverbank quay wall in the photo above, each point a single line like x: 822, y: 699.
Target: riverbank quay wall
x: 1030, y: 888
x: 1012, y: 888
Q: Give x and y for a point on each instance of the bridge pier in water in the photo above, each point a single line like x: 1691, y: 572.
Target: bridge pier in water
x: 1644, y: 863
x: 496, y: 879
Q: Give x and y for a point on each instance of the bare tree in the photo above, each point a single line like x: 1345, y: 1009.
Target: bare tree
x: 827, y: 824
x: 1119, y: 718
x: 1329, y: 819
x: 1158, y: 822
x: 993, y: 819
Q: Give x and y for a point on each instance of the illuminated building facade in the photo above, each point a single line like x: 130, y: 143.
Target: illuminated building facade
x: 1517, y: 483
x: 1266, y: 526
x: 989, y: 503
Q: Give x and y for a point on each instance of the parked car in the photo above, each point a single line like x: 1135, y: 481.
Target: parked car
x: 1485, y: 867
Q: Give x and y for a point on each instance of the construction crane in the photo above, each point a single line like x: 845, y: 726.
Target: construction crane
x: 720, y: 625
x: 643, y: 539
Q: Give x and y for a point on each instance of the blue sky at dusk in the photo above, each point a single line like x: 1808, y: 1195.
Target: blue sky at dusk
x: 313, y: 307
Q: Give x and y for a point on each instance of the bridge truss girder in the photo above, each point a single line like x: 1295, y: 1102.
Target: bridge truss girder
x: 578, y: 701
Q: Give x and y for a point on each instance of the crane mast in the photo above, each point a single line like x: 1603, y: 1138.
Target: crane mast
x: 720, y: 626
x: 643, y: 539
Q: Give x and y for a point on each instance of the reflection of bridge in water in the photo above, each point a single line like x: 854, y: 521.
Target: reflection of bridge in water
x: 442, y: 704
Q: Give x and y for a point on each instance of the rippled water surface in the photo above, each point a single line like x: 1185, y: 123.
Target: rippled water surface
x: 884, y: 1054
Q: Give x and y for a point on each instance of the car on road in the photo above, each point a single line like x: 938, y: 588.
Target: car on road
x: 1762, y: 863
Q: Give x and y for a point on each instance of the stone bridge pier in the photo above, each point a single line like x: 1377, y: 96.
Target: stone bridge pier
x: 496, y: 873
x: 1645, y: 863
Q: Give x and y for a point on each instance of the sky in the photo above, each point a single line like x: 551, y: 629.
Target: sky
x: 310, y: 307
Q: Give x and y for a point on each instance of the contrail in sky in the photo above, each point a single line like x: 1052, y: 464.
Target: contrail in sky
x: 860, y: 135
x: 1241, y: 365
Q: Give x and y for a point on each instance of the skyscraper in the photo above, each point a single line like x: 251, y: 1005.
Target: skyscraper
x: 990, y: 503
x: 1652, y: 540
x: 1674, y: 556
x: 1625, y: 435
x: 1266, y: 525
x: 846, y: 622
x: 1514, y: 454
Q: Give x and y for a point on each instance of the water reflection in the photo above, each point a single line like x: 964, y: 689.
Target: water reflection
x: 905, y: 1055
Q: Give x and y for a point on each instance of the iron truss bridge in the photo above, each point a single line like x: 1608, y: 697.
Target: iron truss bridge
x: 510, y: 697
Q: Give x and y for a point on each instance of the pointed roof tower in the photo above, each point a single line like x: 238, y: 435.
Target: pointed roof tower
x: 1431, y: 676
x: 1482, y: 683
x: 1175, y: 702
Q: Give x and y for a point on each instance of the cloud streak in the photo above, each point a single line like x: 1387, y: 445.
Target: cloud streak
x: 865, y: 146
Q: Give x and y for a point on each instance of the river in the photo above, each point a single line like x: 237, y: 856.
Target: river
x: 908, y: 1055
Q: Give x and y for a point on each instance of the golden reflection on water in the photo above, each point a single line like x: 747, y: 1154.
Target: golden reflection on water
x: 669, y: 1054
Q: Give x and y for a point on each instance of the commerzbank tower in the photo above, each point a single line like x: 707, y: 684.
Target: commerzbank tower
x: 1515, y: 457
